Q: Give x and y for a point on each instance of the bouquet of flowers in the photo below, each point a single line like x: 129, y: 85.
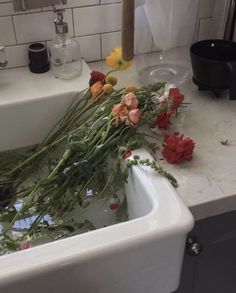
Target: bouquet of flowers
x: 88, y: 149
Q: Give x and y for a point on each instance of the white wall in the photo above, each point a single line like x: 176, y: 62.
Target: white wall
x: 212, y: 19
x: 96, y: 24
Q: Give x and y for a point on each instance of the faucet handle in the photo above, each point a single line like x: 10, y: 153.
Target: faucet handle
x: 3, y: 60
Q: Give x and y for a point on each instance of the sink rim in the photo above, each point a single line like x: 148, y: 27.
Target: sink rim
x: 177, y: 220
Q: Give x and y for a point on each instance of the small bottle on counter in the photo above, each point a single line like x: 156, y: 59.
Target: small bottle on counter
x: 64, y: 52
x: 3, y: 60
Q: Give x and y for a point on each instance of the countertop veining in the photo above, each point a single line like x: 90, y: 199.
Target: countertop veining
x: 207, y: 184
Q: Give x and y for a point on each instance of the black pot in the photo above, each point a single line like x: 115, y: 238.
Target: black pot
x: 38, y: 57
x: 214, y: 65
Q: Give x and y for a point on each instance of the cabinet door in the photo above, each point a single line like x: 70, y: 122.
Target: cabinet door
x: 214, y: 270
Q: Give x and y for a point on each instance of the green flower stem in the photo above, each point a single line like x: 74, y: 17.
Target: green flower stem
x: 154, y: 166
x: 40, y: 153
x: 24, y: 208
x: 38, y: 219
x: 111, y: 121
x: 70, y: 124
x: 65, y: 156
x: 91, y: 156
x: 111, y: 71
x: 110, y: 179
x: 27, y: 161
x: 151, y: 136
x: 68, y: 116
x: 87, y: 136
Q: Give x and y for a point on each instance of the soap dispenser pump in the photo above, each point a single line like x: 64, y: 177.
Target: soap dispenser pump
x: 64, y: 52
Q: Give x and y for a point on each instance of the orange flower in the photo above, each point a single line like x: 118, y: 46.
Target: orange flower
x: 120, y: 112
x: 131, y: 101
x: 123, y: 115
x: 134, y: 117
x: 96, y: 89
x: 117, y: 109
x: 130, y: 89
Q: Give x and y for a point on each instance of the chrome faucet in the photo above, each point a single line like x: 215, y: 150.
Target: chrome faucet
x: 3, y: 60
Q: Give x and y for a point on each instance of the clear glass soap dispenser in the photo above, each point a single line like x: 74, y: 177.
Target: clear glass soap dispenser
x: 64, y: 51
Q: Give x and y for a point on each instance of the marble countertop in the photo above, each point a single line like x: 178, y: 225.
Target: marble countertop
x: 207, y: 184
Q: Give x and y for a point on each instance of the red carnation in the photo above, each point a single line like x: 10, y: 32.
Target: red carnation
x: 96, y: 76
x: 177, y: 148
x: 177, y: 97
x: 163, y: 120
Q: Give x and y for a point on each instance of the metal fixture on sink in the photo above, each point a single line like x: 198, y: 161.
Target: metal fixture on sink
x: 3, y: 60
x: 193, y: 247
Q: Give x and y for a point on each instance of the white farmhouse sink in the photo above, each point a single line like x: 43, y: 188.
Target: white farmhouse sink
x: 141, y: 255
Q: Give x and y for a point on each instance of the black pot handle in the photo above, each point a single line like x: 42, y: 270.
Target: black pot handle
x: 232, y: 89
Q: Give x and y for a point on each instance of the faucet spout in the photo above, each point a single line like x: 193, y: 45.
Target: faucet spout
x: 128, y: 29
x: 3, y: 60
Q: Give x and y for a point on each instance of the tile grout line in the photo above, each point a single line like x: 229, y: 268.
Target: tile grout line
x: 101, y: 46
x: 73, y: 21
x: 14, y: 29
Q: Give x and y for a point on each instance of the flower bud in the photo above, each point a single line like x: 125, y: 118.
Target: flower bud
x: 111, y: 80
x: 108, y: 88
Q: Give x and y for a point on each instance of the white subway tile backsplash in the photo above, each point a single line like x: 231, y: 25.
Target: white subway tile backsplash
x: 205, y: 29
x: 90, y: 47
x: 95, y: 23
x: 97, y: 19
x: 109, y: 1
x: 38, y: 26
x: 78, y: 3
x: 7, y: 35
x: 17, y: 56
x: 75, y: 3
x: 109, y: 42
x: 6, y: 9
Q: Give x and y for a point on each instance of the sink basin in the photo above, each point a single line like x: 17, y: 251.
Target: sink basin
x: 144, y: 254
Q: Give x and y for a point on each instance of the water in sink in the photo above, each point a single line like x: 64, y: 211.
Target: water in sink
x: 94, y: 213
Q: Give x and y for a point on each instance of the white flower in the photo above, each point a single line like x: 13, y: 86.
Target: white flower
x: 162, y: 94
